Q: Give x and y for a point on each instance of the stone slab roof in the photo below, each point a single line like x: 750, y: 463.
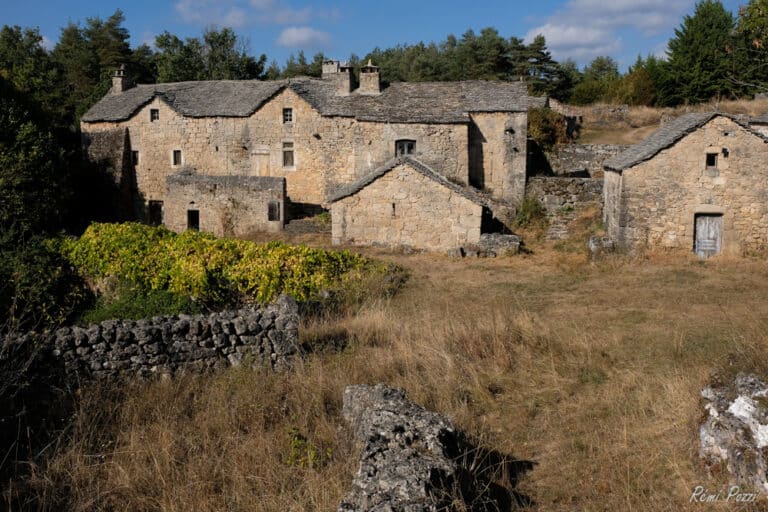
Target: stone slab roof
x: 667, y: 136
x: 253, y: 182
x: 361, y: 183
x: 414, y: 102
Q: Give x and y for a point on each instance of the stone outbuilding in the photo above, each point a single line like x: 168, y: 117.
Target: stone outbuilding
x: 237, y: 206
x: 406, y: 203
x: 699, y: 183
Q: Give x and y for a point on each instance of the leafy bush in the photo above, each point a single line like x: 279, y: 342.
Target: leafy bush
x: 209, y: 269
x: 547, y: 128
x: 133, y: 304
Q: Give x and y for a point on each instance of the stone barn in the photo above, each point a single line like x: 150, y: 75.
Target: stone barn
x: 406, y: 203
x: 699, y: 183
x: 223, y: 205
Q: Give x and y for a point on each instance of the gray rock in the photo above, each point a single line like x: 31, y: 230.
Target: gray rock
x: 599, y: 245
x: 414, y: 460
x: 735, y: 432
x: 497, y: 244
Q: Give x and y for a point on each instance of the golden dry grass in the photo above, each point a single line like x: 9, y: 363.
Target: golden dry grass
x: 592, y: 370
x: 642, y: 121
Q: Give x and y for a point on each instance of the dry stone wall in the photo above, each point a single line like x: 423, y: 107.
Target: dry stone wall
x: 497, y: 154
x: 265, y: 337
x: 571, y: 193
x: 589, y: 158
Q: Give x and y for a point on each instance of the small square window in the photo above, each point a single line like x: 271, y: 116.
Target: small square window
x: 135, y: 157
x: 176, y: 157
x: 288, y: 160
x: 287, y: 115
x: 404, y: 147
x: 154, y: 114
x: 711, y: 160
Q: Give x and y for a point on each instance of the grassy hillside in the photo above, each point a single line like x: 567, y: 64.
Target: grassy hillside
x: 591, y: 370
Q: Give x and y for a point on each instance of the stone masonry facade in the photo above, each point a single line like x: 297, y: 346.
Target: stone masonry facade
x: 407, y: 207
x: 236, y: 206
x: 316, y: 134
x: 716, y: 167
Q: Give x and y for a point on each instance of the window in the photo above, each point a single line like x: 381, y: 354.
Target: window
x: 287, y: 115
x: 288, y: 160
x: 273, y: 210
x: 135, y: 157
x: 404, y: 147
x: 154, y: 114
x: 176, y: 157
x: 155, y: 212
x: 711, y: 160
x: 193, y: 220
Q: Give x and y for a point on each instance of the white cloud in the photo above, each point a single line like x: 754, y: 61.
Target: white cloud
x: 584, y: 29
x: 48, y: 43
x: 303, y: 37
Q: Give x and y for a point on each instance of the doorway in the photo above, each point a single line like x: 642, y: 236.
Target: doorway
x: 708, y: 234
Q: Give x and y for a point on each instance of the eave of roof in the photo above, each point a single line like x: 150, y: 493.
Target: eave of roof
x: 425, y: 170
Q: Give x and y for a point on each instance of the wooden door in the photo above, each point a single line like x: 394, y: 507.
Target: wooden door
x: 709, y: 235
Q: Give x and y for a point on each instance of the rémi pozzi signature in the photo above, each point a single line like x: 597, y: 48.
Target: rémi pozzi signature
x: 733, y: 494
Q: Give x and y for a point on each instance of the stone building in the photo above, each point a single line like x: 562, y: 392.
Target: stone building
x: 699, y: 183
x: 319, y: 135
x: 223, y: 205
x: 406, y: 203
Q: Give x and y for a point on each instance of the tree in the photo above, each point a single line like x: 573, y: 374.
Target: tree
x: 698, y: 64
x: 32, y: 188
x: 752, y: 54
x: 599, y: 79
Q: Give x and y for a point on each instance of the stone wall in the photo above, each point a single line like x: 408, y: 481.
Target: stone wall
x: 497, y: 154
x: 266, y: 337
x: 108, y: 151
x: 328, y: 152
x: 555, y: 193
x: 571, y: 158
x: 228, y: 205
x: 405, y: 208
x: 659, y: 198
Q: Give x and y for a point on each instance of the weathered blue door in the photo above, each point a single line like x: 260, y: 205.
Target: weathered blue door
x: 709, y: 235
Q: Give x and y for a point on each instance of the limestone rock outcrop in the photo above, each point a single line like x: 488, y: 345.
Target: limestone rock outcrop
x: 414, y: 460
x: 735, y: 432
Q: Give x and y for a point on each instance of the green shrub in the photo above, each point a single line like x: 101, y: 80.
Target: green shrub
x: 211, y: 270
x: 530, y: 213
x: 547, y: 128
x: 130, y: 303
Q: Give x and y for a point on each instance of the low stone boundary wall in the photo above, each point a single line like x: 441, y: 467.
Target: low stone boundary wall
x: 266, y: 337
x: 589, y: 158
x: 555, y: 193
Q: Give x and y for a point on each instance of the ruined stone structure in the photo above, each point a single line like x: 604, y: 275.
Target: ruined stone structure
x: 699, y: 183
x: 320, y: 135
x: 224, y: 205
x: 406, y: 203
x: 585, y: 159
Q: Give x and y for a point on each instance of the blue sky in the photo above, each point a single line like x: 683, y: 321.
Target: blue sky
x: 577, y: 29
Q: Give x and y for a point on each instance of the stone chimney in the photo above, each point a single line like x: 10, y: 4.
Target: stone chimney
x: 340, y: 73
x: 121, y: 81
x: 369, y: 79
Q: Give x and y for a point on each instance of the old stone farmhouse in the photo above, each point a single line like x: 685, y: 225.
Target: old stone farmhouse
x: 699, y: 183
x: 318, y: 135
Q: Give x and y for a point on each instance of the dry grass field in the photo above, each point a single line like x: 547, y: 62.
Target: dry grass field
x: 640, y: 122
x: 591, y: 370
